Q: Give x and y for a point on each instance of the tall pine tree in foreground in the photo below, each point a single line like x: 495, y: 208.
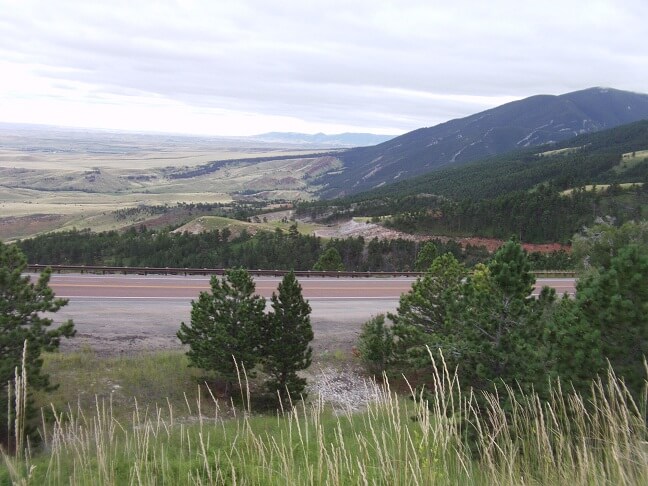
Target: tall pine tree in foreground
x: 615, y: 305
x: 422, y: 313
x: 492, y: 322
x: 225, y: 327
x: 286, y: 340
x: 25, y: 310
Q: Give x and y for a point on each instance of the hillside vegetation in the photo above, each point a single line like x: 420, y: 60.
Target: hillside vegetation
x: 232, y: 245
x: 517, y: 194
x: 395, y: 441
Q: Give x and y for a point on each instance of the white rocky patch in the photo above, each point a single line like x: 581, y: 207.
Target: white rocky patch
x: 345, y: 390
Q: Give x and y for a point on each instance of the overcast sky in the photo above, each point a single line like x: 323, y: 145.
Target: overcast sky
x: 241, y: 67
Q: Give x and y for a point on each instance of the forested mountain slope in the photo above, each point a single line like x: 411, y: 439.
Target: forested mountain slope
x: 586, y: 159
x: 525, y: 123
x: 537, y: 194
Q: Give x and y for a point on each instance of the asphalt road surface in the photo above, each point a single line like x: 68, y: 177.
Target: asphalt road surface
x: 188, y: 287
x: 129, y: 314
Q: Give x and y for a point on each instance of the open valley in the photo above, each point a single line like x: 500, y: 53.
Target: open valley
x: 55, y: 179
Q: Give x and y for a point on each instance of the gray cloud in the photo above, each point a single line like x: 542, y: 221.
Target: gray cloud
x: 366, y: 64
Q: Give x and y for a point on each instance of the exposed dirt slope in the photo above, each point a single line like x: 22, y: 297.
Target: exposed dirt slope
x: 372, y: 230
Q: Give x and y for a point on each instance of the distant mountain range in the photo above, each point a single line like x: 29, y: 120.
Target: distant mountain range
x: 538, y: 120
x: 322, y: 139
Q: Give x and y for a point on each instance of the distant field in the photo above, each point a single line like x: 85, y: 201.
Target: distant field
x: 560, y: 151
x: 602, y: 187
x: 638, y: 154
x: 25, y: 213
x: 120, y: 178
x: 210, y: 223
x: 54, y: 148
x: 290, y: 174
x: 26, y: 202
x: 64, y: 179
x: 631, y: 159
x: 143, y: 159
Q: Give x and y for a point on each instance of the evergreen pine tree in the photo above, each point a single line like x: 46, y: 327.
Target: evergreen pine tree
x: 492, y: 321
x: 329, y: 261
x: 376, y: 344
x: 225, y: 327
x: 286, y: 340
x: 511, y: 272
x: 615, y: 303
x: 571, y: 345
x: 422, y: 313
x: 426, y: 256
x: 24, y: 307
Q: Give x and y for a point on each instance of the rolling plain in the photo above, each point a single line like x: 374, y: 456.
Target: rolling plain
x: 54, y: 179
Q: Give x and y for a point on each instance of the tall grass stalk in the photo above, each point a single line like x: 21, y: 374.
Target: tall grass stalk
x: 448, y: 439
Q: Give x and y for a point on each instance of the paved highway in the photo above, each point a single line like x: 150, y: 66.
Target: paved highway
x: 178, y: 287
x: 116, y: 314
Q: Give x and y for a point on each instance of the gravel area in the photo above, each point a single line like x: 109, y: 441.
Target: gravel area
x: 345, y: 390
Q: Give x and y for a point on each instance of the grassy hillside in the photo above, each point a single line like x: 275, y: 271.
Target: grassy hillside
x: 199, y: 438
x: 236, y: 227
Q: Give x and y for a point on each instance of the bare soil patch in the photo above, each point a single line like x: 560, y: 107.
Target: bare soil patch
x: 369, y: 231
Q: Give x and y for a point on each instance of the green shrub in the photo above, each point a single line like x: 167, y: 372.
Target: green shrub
x: 375, y: 344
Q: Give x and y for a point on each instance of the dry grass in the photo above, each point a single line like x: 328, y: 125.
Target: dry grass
x: 631, y: 159
x: 563, y: 151
x: 603, y: 187
x: 140, y: 157
x: 599, y: 439
x: 210, y: 223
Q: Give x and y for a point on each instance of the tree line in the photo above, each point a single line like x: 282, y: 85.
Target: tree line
x: 282, y: 250
x: 539, y: 216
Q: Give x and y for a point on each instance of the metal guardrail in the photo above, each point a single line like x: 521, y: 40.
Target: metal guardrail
x: 554, y: 273
x: 260, y: 273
